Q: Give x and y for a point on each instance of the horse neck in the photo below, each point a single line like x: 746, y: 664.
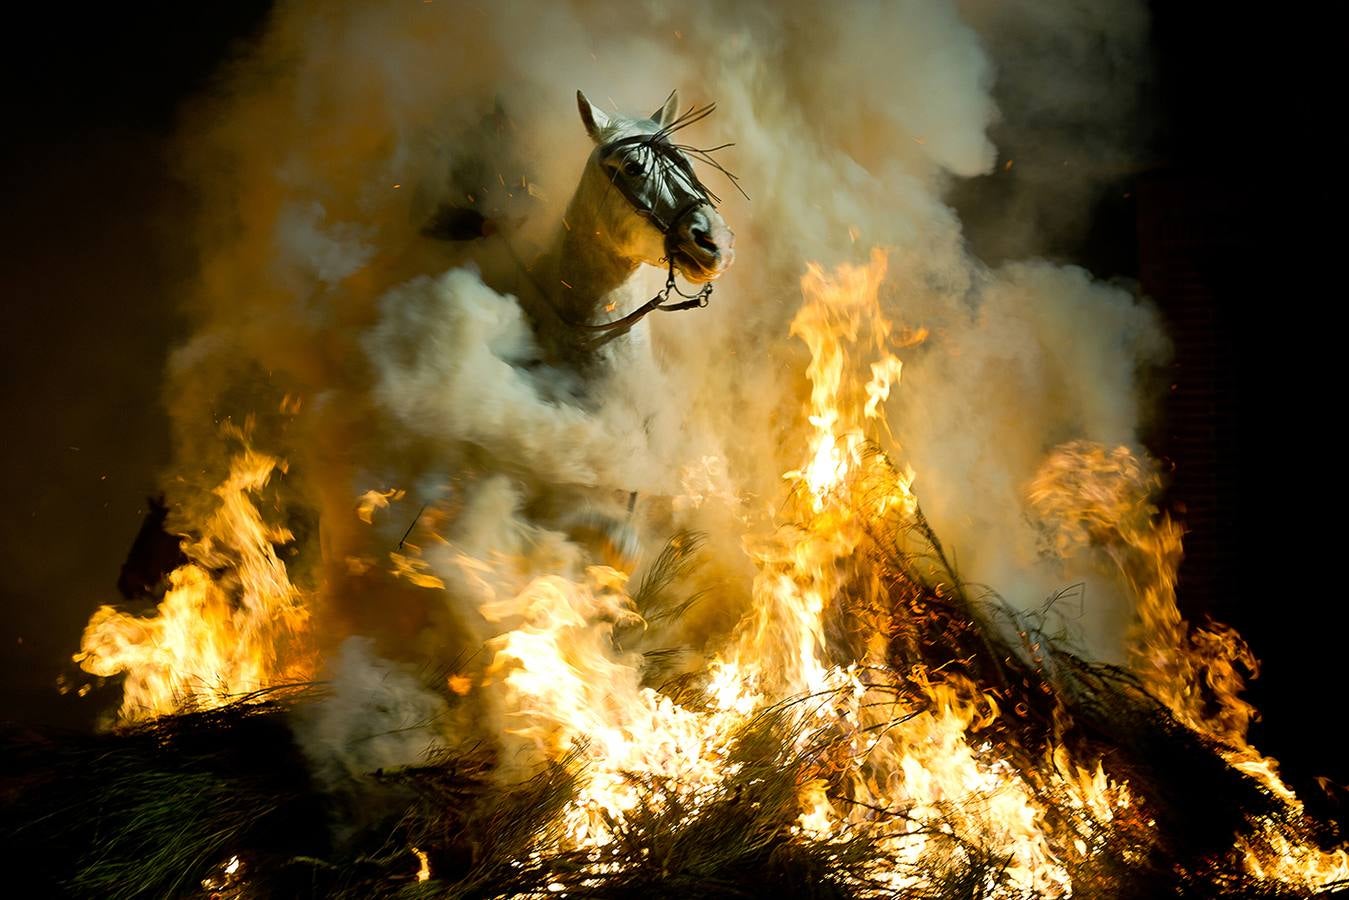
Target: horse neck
x: 583, y: 269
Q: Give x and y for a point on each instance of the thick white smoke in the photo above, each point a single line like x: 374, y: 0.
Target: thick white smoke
x: 375, y: 715
x: 374, y: 357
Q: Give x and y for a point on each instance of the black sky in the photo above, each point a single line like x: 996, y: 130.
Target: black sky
x: 94, y: 243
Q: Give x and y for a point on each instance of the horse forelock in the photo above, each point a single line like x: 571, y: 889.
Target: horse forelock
x: 669, y: 162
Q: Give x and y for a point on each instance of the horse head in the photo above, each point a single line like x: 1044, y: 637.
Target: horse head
x: 649, y: 204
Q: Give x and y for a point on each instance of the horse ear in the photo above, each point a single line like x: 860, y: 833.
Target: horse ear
x: 595, y: 119
x: 667, y: 113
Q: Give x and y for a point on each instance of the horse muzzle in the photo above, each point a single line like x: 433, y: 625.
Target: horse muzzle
x: 701, y: 245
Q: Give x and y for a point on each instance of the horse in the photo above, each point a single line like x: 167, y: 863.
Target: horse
x: 638, y: 202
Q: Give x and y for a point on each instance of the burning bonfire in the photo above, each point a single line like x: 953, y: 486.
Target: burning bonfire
x: 437, y: 630
x: 872, y: 726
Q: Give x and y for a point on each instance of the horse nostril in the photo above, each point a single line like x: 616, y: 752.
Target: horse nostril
x: 703, y: 238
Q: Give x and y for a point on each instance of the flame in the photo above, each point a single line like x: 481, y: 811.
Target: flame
x: 231, y: 622
x: 566, y: 688
x: 1093, y: 496
x: 842, y: 314
x: 226, y: 880
x: 372, y: 500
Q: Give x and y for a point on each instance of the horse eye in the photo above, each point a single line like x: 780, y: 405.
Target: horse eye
x: 633, y: 168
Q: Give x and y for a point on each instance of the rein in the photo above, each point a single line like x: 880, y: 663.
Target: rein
x: 611, y: 330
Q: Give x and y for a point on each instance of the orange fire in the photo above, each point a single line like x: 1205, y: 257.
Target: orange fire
x: 1102, y: 497
x: 231, y: 622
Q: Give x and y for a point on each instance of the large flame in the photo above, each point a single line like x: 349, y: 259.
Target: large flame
x: 231, y: 622
x: 1094, y: 496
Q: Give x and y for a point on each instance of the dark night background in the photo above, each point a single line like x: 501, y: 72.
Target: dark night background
x: 94, y: 256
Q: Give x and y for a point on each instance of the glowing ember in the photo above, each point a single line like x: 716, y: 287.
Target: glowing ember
x: 226, y: 880
x: 373, y: 500
x: 423, y: 865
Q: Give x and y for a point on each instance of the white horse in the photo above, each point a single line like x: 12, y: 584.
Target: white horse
x: 638, y: 203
